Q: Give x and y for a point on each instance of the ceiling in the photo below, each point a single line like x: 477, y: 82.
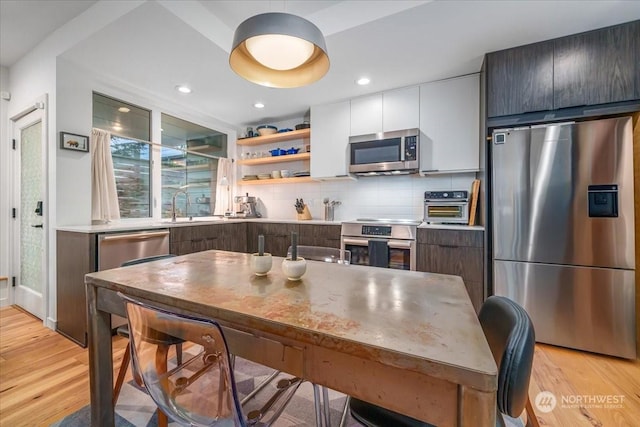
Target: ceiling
x: 162, y: 43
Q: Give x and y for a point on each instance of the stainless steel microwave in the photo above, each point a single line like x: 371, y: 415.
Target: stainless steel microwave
x: 387, y: 153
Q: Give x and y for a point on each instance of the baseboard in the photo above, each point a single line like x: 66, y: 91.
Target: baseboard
x: 51, y: 323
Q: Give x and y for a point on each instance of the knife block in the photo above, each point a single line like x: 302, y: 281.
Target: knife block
x: 305, y: 215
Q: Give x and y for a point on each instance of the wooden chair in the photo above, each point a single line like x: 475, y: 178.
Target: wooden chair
x: 511, y: 337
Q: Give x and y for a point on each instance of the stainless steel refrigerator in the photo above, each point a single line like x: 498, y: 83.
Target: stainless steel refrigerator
x: 563, y: 231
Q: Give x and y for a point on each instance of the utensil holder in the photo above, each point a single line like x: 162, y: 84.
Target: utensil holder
x: 305, y: 215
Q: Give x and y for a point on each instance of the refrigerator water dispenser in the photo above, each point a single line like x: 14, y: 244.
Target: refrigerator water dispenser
x: 603, y: 201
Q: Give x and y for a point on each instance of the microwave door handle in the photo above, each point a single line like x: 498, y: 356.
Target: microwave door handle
x: 402, y: 146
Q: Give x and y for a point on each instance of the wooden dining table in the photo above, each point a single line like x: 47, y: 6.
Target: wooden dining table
x: 405, y: 340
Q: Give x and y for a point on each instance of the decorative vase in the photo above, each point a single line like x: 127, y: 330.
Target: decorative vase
x: 294, y: 269
x: 261, y: 264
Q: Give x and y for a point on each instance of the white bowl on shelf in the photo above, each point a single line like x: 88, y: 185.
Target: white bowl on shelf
x: 266, y: 130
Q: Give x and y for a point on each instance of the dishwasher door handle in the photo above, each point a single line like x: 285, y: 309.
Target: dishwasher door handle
x: 135, y: 236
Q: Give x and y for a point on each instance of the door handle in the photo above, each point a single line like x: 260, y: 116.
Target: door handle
x: 37, y: 226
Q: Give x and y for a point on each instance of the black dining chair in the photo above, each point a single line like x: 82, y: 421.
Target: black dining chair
x: 511, y: 338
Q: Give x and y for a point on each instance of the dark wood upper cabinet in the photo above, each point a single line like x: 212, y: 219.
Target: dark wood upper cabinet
x: 597, y: 67
x: 593, y: 68
x: 520, y: 80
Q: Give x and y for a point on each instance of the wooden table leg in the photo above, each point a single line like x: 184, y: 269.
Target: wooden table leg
x: 100, y: 362
x: 476, y: 408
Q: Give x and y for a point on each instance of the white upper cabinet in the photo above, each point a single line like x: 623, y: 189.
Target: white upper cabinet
x: 401, y: 109
x: 330, y: 125
x: 450, y: 125
x: 387, y: 111
x: 366, y: 115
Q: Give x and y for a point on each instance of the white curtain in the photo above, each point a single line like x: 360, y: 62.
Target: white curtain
x: 223, y: 192
x: 104, y: 196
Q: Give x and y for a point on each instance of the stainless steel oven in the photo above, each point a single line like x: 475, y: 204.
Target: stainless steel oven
x: 381, y: 242
x: 446, y: 207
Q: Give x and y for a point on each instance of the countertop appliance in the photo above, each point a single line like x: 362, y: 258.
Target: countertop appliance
x: 446, y: 207
x: 116, y: 248
x: 388, y: 153
x: 563, y: 231
x: 388, y: 243
x: 247, y: 206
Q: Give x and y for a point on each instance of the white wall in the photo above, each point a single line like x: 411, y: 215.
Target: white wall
x: 396, y: 197
x: 4, y: 187
x: 75, y: 87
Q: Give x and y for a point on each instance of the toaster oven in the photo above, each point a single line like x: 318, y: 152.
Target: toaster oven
x: 446, y: 207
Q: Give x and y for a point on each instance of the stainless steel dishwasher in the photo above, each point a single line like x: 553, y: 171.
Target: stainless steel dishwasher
x: 116, y: 248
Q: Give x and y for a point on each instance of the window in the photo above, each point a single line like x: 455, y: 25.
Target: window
x: 130, y: 128
x: 189, y: 167
x: 188, y: 158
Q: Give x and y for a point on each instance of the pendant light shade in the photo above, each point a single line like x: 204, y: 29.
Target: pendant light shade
x: 279, y: 50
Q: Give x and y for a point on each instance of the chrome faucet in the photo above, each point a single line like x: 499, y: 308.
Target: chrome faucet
x: 173, y: 203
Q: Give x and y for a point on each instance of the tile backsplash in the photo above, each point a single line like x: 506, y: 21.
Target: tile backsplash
x: 397, y: 197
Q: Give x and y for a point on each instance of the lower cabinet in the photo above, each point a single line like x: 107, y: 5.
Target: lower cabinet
x: 198, y: 238
x: 277, y: 236
x: 327, y: 236
x: 76, y: 256
x: 457, y: 252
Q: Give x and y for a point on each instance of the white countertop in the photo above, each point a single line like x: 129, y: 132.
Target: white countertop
x: 151, y: 224
x: 452, y: 226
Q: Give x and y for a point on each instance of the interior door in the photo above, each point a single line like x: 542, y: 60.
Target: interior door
x: 30, y: 229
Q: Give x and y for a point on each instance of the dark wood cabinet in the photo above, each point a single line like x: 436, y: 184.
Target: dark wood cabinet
x: 227, y: 237
x: 593, y: 68
x: 597, y: 67
x: 76, y: 256
x: 520, y: 80
x: 327, y: 236
x: 457, y: 252
x: 277, y: 237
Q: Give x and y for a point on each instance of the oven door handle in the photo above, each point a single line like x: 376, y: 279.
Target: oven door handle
x: 394, y: 244
x: 355, y: 242
x: 399, y: 244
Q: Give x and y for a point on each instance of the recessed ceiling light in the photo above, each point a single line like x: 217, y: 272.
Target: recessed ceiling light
x: 183, y: 89
x: 363, y: 81
x: 258, y: 105
x: 116, y: 127
x: 124, y: 109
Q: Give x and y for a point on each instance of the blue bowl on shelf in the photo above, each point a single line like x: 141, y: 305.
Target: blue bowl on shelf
x: 277, y: 152
x: 285, y: 130
x: 293, y: 150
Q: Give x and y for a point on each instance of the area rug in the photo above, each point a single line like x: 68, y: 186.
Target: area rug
x: 135, y: 408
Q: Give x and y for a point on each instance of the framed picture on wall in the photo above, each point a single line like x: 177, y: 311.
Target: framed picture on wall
x: 71, y: 141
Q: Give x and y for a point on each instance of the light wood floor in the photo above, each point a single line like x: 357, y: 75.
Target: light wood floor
x: 44, y: 376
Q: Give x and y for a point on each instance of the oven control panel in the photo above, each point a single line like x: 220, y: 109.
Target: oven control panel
x: 446, y: 195
x: 376, y: 230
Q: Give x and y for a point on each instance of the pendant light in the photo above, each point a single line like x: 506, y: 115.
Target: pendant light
x: 279, y: 50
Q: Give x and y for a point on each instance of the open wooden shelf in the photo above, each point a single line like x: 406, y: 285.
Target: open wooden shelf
x: 276, y: 137
x: 292, y: 180
x: 275, y: 159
